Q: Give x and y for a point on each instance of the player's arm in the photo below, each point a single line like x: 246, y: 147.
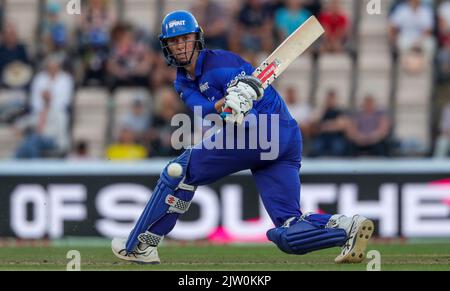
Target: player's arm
x: 193, y: 98
x: 219, y: 105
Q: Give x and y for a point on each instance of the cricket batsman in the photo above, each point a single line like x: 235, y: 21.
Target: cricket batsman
x: 221, y: 83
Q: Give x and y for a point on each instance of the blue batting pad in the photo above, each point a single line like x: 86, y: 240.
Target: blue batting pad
x: 304, y: 237
x: 170, y: 196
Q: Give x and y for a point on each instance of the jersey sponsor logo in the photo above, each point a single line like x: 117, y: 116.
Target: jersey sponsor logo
x: 177, y: 23
x: 204, y: 87
x: 234, y: 81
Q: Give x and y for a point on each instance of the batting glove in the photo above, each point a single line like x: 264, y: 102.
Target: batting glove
x: 247, y: 86
x: 239, y: 104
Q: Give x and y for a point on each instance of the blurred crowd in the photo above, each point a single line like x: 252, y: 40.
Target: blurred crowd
x: 104, y: 51
x: 333, y: 131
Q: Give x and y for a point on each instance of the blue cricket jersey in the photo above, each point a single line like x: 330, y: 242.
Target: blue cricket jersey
x: 214, y: 71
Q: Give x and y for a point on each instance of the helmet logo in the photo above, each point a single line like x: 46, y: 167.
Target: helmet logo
x: 177, y: 23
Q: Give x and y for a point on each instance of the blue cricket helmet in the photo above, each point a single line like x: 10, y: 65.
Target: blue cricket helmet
x: 179, y: 23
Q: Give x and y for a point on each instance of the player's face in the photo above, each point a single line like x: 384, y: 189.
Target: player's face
x: 182, y: 46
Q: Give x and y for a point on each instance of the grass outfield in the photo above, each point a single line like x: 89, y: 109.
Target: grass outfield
x: 231, y: 258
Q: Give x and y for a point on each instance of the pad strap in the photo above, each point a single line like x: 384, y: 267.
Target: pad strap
x: 150, y: 238
x: 177, y: 205
x: 186, y: 187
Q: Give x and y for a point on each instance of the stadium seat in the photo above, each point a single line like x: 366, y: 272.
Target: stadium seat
x: 298, y: 76
x: 91, y: 118
x: 374, y: 77
x: 348, y: 8
x: 413, y: 101
x: 335, y: 72
x: 143, y: 14
x: 374, y: 63
x: 18, y: 10
x: 414, y: 89
x: 10, y: 95
x: 412, y: 128
x: 9, y: 142
x: 373, y: 30
x: 171, y: 5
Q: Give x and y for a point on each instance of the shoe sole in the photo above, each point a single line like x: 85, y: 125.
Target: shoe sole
x: 357, y: 253
x: 128, y: 259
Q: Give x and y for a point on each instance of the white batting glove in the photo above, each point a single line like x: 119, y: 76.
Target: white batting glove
x: 247, y: 86
x: 239, y: 104
x: 240, y: 96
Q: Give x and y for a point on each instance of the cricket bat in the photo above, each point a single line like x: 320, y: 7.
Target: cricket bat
x: 286, y: 53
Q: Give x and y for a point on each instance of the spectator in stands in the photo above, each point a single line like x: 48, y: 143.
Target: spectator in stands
x: 443, y: 141
x: 300, y: 111
x: 54, y: 82
x: 15, y: 70
x: 444, y: 40
x: 254, y: 31
x: 130, y: 59
x: 126, y: 147
x: 290, y: 17
x: 96, y: 21
x: 45, y: 133
x: 80, y: 151
x: 336, y: 24
x: 138, y: 119
x: 167, y: 105
x: 411, y: 28
x: 369, y: 129
x: 330, y: 129
x: 396, y: 3
x: 54, y: 31
x: 214, y: 16
x: 94, y: 26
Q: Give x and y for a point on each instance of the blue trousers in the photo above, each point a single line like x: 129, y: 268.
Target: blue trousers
x: 277, y: 179
x: 34, y: 145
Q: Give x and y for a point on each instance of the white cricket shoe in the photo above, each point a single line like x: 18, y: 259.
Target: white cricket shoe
x: 359, y: 231
x: 143, y: 253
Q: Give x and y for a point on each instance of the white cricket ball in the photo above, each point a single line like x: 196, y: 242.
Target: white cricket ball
x: 175, y: 170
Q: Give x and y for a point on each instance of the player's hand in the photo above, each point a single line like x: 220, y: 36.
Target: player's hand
x: 236, y: 106
x: 247, y: 86
x: 230, y: 117
x: 238, y: 103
